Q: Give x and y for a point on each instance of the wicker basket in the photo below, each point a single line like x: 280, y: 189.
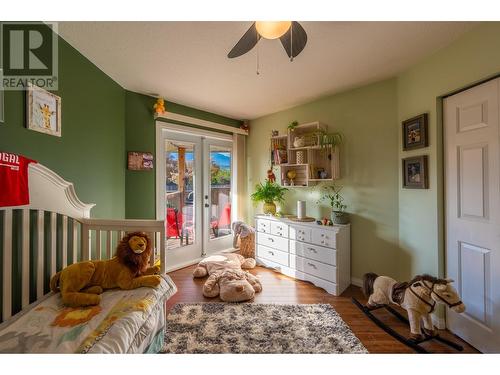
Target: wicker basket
x: 247, y: 246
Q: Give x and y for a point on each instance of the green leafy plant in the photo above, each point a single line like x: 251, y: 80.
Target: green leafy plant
x: 291, y: 126
x: 331, y: 194
x: 329, y: 139
x: 268, y: 192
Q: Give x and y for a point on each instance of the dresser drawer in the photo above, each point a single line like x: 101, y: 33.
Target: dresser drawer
x: 314, y: 268
x: 324, y: 237
x: 263, y: 226
x: 275, y: 242
x: 300, y: 233
x: 279, y: 229
x: 272, y: 254
x: 315, y: 252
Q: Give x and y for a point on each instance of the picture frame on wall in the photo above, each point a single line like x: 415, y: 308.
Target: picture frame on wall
x: 415, y: 172
x: 140, y: 161
x: 43, y: 111
x: 415, y: 133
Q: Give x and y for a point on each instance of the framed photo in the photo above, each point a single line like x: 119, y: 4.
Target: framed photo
x: 140, y: 161
x: 415, y: 133
x: 43, y: 111
x: 415, y: 173
x: 1, y: 106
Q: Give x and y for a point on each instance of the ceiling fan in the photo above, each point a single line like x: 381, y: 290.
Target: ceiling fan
x: 292, y: 35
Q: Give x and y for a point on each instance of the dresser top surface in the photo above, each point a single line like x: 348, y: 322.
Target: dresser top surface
x: 311, y: 224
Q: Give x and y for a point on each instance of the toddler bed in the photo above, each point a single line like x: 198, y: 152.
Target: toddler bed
x: 55, y: 230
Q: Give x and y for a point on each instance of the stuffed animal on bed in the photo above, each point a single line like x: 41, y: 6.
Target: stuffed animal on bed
x: 82, y: 283
x: 227, y: 279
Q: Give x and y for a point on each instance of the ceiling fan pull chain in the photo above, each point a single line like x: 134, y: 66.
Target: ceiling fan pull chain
x: 291, y: 42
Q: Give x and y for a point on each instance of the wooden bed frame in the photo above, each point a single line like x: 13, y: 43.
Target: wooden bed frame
x: 55, y: 230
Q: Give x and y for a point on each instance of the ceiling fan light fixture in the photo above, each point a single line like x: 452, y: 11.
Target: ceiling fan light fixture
x: 272, y: 29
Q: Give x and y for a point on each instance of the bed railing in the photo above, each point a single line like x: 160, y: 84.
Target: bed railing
x: 35, y: 244
x: 105, y: 231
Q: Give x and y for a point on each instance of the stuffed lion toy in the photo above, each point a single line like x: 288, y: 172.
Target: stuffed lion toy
x: 227, y: 279
x: 82, y: 283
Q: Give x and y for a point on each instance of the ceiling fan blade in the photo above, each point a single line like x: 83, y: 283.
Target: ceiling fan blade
x: 298, y: 40
x: 246, y: 43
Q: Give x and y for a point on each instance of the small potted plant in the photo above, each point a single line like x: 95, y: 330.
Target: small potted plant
x: 329, y: 139
x: 292, y: 125
x: 331, y: 194
x: 269, y: 193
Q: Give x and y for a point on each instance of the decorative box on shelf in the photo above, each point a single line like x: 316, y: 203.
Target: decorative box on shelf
x: 306, y: 251
x: 302, y: 160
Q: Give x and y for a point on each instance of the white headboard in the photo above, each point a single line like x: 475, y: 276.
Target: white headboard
x: 51, y: 192
x: 55, y: 230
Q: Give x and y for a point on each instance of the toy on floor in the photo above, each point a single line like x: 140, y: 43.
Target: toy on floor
x: 418, y: 297
x: 227, y: 279
x: 82, y: 283
x: 246, y: 235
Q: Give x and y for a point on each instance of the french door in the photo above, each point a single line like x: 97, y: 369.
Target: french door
x: 194, y: 195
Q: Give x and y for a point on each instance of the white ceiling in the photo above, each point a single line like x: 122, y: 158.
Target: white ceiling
x: 185, y: 62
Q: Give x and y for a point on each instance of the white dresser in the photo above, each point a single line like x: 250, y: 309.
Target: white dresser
x: 306, y: 251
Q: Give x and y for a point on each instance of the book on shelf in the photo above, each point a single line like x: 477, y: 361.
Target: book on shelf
x: 280, y: 156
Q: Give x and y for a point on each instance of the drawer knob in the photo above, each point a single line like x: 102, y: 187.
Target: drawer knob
x: 312, y: 249
x: 280, y: 234
x: 322, y: 235
x: 311, y: 265
x: 271, y: 239
x: 270, y: 252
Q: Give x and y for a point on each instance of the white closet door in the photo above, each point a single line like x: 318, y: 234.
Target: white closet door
x: 471, y: 136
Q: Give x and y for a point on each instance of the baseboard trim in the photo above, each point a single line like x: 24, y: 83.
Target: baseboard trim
x: 356, y: 281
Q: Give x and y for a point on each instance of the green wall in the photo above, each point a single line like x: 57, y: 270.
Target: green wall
x: 140, y: 186
x: 366, y: 117
x: 90, y: 151
x: 472, y: 58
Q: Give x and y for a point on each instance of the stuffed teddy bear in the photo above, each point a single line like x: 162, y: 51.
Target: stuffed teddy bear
x: 227, y: 279
x: 82, y: 283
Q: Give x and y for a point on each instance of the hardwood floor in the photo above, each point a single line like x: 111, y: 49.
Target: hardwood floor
x: 278, y: 288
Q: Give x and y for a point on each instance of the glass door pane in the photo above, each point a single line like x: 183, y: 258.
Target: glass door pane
x: 180, y: 194
x: 183, y: 193
x: 218, y: 195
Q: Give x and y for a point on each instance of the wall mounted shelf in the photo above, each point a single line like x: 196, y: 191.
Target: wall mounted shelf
x: 301, y: 159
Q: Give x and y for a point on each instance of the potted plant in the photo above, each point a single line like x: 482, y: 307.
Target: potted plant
x: 328, y: 139
x: 331, y: 194
x: 269, y: 193
x: 291, y: 126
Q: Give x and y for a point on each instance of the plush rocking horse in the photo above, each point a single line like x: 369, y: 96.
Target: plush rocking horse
x: 418, y: 297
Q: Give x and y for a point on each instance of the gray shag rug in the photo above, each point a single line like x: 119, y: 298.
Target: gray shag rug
x: 257, y: 328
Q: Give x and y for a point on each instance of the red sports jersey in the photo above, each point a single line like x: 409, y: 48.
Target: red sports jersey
x: 14, y: 190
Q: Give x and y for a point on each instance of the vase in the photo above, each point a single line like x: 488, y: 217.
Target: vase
x: 269, y: 208
x: 339, y: 217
